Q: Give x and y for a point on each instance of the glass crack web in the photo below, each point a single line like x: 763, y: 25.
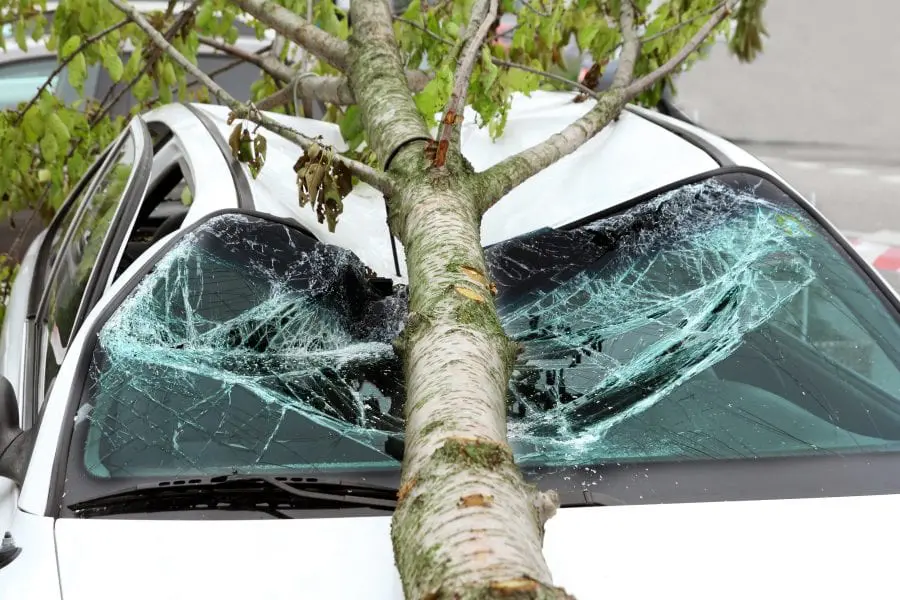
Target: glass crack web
x: 251, y: 346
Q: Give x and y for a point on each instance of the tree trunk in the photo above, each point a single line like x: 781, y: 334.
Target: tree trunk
x: 467, y: 524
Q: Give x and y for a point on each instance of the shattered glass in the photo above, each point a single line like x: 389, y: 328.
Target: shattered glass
x: 694, y: 324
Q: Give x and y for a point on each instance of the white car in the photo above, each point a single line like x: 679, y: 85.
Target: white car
x: 711, y: 375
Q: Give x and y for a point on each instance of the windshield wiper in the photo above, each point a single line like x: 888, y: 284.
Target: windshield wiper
x: 238, y: 492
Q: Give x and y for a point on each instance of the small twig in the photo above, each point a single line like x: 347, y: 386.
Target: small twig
x: 423, y: 29
x: 241, y: 111
x: 514, y: 65
x: 681, y: 24
x: 561, y: 79
x: 269, y: 64
x: 647, y: 81
x: 64, y: 63
x: 534, y: 10
x: 484, y: 12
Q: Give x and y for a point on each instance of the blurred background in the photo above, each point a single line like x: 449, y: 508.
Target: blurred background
x: 819, y: 106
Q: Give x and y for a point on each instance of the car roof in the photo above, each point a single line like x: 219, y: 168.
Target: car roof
x: 640, y: 152
x: 631, y: 157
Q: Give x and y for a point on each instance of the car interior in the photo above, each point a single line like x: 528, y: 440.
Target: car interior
x: 166, y: 204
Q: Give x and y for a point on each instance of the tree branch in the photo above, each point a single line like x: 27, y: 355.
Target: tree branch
x: 324, y: 88
x: 267, y: 63
x: 63, y: 63
x: 497, y: 61
x: 242, y: 111
x: 498, y: 180
x: 321, y: 44
x: 682, y: 24
x: 484, y: 12
x: 381, y: 87
x: 641, y: 85
x: 631, y: 46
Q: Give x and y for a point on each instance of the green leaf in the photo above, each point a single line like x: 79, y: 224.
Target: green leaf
x: 87, y: 16
x: 39, y: 28
x: 143, y: 89
x: 49, y: 147
x: 78, y: 72
x: 165, y: 93
x: 20, y: 35
x: 56, y: 126
x: 352, y: 129
x: 168, y: 74
x: 205, y: 16
x: 133, y: 66
x: 113, y: 64
x: 433, y: 98
x: 33, y: 125
x: 585, y: 36
x: 70, y: 47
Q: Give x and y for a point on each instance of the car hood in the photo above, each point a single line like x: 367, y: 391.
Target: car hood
x: 816, y: 548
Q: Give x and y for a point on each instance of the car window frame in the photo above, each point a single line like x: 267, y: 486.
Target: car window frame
x: 43, y: 266
x: 136, y: 183
x: 55, y: 508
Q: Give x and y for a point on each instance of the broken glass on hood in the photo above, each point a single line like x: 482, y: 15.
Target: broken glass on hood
x: 654, y: 332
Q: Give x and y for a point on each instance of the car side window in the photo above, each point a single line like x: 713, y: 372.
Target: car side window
x: 21, y: 79
x: 80, y: 250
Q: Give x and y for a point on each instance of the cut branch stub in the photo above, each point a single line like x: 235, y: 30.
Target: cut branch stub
x: 323, y: 183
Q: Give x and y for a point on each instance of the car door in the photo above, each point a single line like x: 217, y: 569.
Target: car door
x: 83, y: 252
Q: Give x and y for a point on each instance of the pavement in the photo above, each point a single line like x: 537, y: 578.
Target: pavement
x: 820, y: 107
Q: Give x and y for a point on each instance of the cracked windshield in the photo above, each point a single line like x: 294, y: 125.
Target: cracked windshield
x: 713, y: 321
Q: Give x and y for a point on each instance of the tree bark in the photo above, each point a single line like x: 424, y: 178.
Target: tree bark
x: 467, y: 524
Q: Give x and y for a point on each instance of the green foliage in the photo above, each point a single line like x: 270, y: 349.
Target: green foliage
x: 47, y: 144
x: 8, y: 270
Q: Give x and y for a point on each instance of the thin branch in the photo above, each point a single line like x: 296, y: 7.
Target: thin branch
x: 106, y: 105
x: 498, y: 180
x: 534, y: 10
x: 214, y: 73
x: 241, y: 111
x: 318, y: 42
x: 423, y: 29
x: 631, y: 46
x: 484, y: 12
x: 267, y: 63
x: 546, y: 74
x: 682, y: 24
x: 498, y: 62
x: 64, y: 63
x: 647, y: 81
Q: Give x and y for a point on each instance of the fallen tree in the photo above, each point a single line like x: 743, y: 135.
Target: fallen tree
x: 467, y: 524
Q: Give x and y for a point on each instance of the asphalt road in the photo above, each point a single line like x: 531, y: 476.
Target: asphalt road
x: 819, y: 106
